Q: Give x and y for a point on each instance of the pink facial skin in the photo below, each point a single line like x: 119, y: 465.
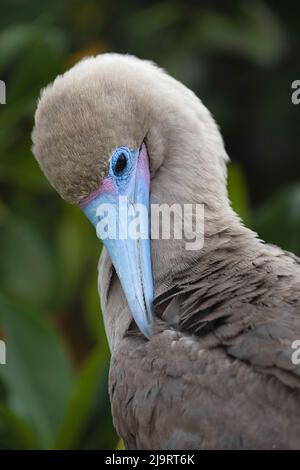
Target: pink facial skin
x: 106, y: 187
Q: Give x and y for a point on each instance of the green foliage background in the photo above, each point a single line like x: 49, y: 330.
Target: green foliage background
x: 241, y: 58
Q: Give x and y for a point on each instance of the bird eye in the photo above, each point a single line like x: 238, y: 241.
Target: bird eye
x: 120, y: 164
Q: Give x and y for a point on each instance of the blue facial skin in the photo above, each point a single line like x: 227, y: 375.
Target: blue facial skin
x: 127, y: 184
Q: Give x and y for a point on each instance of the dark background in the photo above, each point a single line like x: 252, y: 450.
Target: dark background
x: 241, y: 58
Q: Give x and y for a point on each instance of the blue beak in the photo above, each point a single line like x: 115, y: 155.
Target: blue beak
x: 119, y: 210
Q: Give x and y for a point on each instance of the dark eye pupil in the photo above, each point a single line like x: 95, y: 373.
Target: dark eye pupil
x: 121, y: 163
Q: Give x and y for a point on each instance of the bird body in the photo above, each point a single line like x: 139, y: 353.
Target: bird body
x: 205, y: 363
x: 221, y: 376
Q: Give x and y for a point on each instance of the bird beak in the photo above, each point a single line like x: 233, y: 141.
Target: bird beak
x: 121, y: 218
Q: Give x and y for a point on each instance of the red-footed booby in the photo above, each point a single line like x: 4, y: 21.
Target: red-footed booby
x: 202, y: 340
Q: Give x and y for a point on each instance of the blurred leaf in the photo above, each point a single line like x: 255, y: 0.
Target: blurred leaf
x: 38, y: 374
x: 13, y: 41
x: 154, y: 18
x: 82, y: 401
x: 238, y: 194
x: 76, y: 243
x: 278, y: 220
x: 253, y: 31
x: 39, y: 63
x: 14, y: 432
x: 22, y: 171
x: 37, y: 53
x: 26, y: 269
x: 93, y: 312
x: 120, y: 445
x: 11, y: 115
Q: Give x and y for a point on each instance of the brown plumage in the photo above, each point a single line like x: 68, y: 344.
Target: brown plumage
x: 217, y: 372
x: 221, y: 377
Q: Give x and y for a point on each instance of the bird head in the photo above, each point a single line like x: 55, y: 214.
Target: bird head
x: 114, y: 129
